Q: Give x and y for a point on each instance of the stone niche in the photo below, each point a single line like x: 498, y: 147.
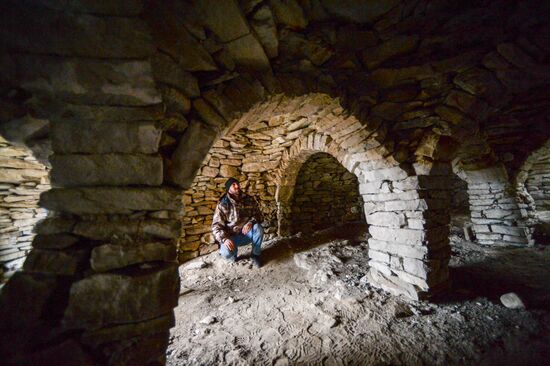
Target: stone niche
x: 229, y: 157
x: 326, y: 195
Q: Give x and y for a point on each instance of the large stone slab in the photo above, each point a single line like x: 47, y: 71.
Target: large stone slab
x: 359, y: 11
x: 111, y: 256
x: 40, y: 30
x: 53, y: 261
x: 224, y: 18
x: 24, y: 129
x: 190, y: 153
x: 87, y: 81
x: 393, y: 47
x: 20, y: 175
x: 54, y: 241
x: 289, y: 13
x: 173, y: 38
x: 167, y: 71
x: 102, y: 137
x: 248, y: 52
x: 107, y: 169
x: 98, y: 113
x: 109, y: 298
x: 98, y: 200
x: 264, y: 25
x: 409, y: 236
x: 112, y: 229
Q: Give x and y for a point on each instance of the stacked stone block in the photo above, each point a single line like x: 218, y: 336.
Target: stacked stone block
x: 22, y: 180
x: 326, y: 195
x: 538, y: 183
x: 496, y: 215
x: 408, y: 221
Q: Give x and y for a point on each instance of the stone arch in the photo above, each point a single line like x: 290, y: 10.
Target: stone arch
x: 520, y: 181
x: 287, y: 173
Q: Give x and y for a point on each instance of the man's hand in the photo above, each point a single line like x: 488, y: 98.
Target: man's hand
x: 247, y: 228
x: 229, y: 244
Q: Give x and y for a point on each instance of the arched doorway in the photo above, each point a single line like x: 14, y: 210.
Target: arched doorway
x: 325, y: 195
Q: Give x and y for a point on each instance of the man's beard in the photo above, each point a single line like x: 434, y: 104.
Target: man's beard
x: 235, y: 195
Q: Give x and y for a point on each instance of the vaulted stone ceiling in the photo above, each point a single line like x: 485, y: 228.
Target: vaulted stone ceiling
x: 161, y: 84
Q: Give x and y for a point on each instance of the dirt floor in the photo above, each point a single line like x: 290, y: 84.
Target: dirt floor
x: 310, y: 305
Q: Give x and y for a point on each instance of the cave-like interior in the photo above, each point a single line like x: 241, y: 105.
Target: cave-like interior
x: 417, y: 129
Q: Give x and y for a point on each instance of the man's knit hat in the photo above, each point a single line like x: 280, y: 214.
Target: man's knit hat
x: 229, y: 182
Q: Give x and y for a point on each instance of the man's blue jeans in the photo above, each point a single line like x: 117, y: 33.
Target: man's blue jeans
x: 254, y: 236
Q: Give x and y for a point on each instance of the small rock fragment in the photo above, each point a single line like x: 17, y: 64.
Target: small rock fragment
x: 196, y: 265
x: 512, y: 301
x: 209, y: 320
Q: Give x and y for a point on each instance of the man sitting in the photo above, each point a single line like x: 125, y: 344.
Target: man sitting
x: 236, y: 222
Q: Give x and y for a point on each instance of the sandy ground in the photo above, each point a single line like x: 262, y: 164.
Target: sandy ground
x: 309, y: 305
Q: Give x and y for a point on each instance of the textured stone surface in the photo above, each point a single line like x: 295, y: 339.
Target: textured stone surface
x: 225, y: 19
x: 140, y: 296
x: 167, y: 71
x: 53, y: 261
x: 111, y: 256
x: 22, y: 180
x: 248, y: 52
x: 195, y: 143
x: 111, y: 200
x: 91, y: 81
x: 172, y: 37
x: 512, y: 301
x: 74, y: 34
x: 108, y: 169
x: 113, y: 229
x: 324, y: 186
x: 107, y: 137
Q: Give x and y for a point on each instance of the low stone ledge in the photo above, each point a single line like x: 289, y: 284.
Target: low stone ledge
x: 112, y: 256
x: 100, y: 200
x: 107, y: 169
x: 140, y: 295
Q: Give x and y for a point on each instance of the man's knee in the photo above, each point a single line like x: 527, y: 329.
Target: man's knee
x: 258, y: 229
x: 226, y: 253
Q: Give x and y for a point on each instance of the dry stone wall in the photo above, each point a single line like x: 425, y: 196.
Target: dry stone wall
x: 538, y: 183
x: 22, y: 180
x: 128, y: 84
x: 326, y: 195
x: 496, y: 214
x: 225, y: 159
